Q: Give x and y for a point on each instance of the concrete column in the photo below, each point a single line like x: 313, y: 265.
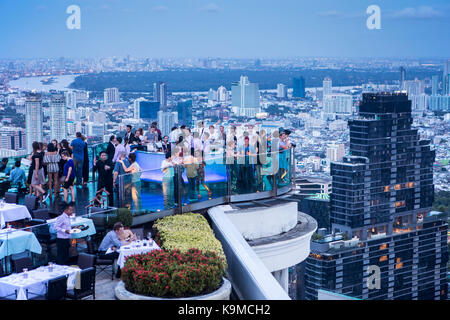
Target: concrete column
x: 282, y: 276
x: 285, y: 279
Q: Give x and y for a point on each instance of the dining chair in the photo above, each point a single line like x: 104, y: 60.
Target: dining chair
x: 56, y: 289
x: 30, y: 201
x: 87, y: 285
x: 42, y: 214
x: 11, y: 197
x: 22, y: 263
x: 86, y: 261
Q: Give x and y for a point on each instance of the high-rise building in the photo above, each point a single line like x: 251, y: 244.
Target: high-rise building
x: 156, y: 87
x: 111, y: 95
x: 298, y: 87
x: 166, y: 120
x: 212, y: 95
x: 33, y: 119
x: 245, y: 97
x: 414, y: 87
x: 385, y: 243
x: 402, y: 77
x: 160, y: 94
x: 71, y: 99
x: 95, y: 129
x: 163, y: 96
x: 222, y: 94
x: 335, y: 152
x: 434, y: 85
x: 446, y: 78
x: 338, y: 103
x: 281, y: 91
x: 439, y: 103
x: 12, y: 138
x: 184, y: 109
x: 327, y: 87
x: 58, y: 117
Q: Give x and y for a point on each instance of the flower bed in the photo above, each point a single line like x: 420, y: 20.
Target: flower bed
x: 185, y: 231
x: 173, y: 273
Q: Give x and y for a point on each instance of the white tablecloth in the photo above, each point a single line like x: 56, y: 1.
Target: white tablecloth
x: 13, y: 212
x: 35, y: 282
x: 135, y: 248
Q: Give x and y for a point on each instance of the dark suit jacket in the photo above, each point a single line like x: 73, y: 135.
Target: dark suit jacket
x: 110, y: 150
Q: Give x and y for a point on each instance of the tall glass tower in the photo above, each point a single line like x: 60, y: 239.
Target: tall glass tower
x: 385, y: 244
x: 33, y: 119
x: 298, y: 87
x: 58, y: 117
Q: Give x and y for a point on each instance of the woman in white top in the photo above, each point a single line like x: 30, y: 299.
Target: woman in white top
x: 135, y: 170
x: 51, y: 161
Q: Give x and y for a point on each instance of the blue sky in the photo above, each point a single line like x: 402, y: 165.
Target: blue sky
x: 224, y: 28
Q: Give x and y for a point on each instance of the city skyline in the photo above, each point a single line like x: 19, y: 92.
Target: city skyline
x: 200, y: 28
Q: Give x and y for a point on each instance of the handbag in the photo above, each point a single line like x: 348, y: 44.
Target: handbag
x: 62, y: 179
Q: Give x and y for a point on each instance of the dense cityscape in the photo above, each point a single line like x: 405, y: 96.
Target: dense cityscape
x: 283, y: 153
x: 42, y: 100
x: 317, y: 115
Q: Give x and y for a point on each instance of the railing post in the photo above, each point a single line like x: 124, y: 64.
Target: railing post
x: 228, y: 171
x: 275, y: 174
x: 121, y: 192
x: 179, y: 195
x: 293, y: 167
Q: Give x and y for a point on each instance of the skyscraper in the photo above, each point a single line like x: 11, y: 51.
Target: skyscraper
x: 184, y: 109
x: 446, y: 78
x: 33, y: 119
x: 58, y: 117
x: 245, y: 97
x: 166, y: 120
x: 434, y: 85
x: 327, y: 87
x: 298, y: 87
x: 281, y: 91
x: 381, y: 201
x: 222, y: 94
x: 156, y: 86
x: 160, y: 94
x: 335, y: 152
x: 338, y: 103
x: 402, y: 77
x: 163, y: 96
x: 111, y: 95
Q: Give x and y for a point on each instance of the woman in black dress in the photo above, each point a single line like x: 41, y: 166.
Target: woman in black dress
x: 85, y: 163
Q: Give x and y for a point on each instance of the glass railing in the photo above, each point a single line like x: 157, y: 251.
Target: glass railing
x: 93, y: 151
x: 194, y: 183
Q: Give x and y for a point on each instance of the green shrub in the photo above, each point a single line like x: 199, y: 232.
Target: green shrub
x: 186, y: 231
x: 124, y: 215
x: 173, y: 273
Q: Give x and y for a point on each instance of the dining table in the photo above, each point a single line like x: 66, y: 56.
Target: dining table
x: 12, y: 212
x: 135, y: 247
x: 14, y: 241
x: 28, y: 284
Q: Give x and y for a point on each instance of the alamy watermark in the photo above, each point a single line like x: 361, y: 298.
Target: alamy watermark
x: 374, y: 20
x: 74, y: 20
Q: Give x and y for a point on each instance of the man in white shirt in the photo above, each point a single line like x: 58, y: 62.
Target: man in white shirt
x: 119, y: 148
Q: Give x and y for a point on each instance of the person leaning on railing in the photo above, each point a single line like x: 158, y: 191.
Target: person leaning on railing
x: 167, y: 168
x: 135, y: 170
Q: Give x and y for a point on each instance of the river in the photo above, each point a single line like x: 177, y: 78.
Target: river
x: 60, y: 83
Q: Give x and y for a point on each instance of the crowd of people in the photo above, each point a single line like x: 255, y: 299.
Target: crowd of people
x: 249, y: 155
